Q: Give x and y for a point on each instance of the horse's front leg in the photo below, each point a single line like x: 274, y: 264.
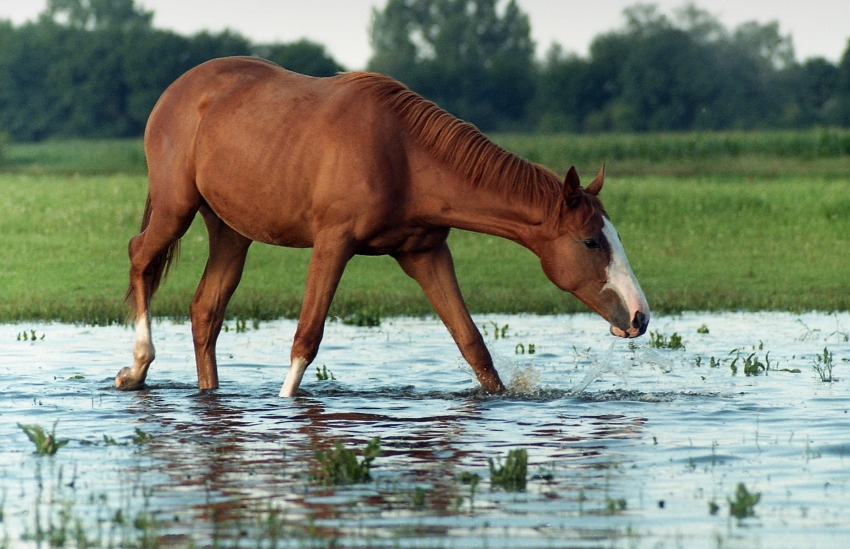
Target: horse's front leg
x: 330, y: 255
x: 435, y: 273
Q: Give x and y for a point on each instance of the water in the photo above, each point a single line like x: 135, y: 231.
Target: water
x: 628, y: 445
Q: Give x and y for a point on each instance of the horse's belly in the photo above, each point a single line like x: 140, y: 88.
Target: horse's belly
x: 271, y: 220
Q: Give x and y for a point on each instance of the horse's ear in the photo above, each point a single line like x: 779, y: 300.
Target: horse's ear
x: 596, y: 185
x: 571, y: 184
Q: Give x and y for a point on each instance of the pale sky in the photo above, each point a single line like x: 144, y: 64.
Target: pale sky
x: 818, y: 27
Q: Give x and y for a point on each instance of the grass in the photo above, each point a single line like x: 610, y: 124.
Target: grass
x: 707, y: 242
x: 762, y: 154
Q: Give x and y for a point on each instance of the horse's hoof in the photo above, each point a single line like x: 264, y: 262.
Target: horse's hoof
x: 125, y: 382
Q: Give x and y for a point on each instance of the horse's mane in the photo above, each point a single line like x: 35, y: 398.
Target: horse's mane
x: 459, y: 143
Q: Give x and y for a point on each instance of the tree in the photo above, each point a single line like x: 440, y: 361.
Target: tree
x: 472, y: 60
x: 841, y: 102
x: 303, y: 56
x: 98, y: 14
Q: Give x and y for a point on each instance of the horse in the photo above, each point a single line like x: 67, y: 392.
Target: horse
x: 351, y: 164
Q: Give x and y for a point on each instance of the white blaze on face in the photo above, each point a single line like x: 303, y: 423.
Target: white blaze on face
x: 620, y: 276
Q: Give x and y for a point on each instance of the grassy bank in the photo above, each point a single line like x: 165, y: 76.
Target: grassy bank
x: 822, y: 152
x: 695, y: 243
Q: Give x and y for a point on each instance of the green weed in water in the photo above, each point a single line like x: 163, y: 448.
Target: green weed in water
x: 324, y: 374
x: 751, y: 364
x: 658, y: 340
x: 521, y: 349
x: 418, y: 498
x: 46, y: 444
x: 512, y: 475
x: 614, y: 506
x: 341, y: 466
x: 29, y: 335
x: 365, y: 318
x: 744, y: 504
x: 141, y: 437
x: 823, y: 366
x: 702, y: 329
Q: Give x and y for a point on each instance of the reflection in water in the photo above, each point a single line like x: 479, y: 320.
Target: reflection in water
x: 221, y: 450
x: 632, y: 457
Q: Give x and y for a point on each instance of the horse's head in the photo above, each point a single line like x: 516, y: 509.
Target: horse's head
x: 585, y: 257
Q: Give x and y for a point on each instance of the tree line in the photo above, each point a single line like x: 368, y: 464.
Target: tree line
x: 95, y: 68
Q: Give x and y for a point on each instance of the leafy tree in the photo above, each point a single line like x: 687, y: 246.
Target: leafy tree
x: 465, y: 55
x: 303, y: 56
x: 98, y: 14
x: 683, y: 72
x: 841, y: 102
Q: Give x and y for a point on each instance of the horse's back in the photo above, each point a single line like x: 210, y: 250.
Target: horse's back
x: 267, y: 148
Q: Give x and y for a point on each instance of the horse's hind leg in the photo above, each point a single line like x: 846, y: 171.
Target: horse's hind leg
x: 150, y: 253
x: 228, y: 250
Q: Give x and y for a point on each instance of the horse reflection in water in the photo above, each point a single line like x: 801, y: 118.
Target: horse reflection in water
x: 352, y: 164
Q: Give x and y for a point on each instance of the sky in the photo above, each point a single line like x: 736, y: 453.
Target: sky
x: 818, y: 27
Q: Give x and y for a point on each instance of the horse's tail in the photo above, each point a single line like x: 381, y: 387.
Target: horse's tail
x: 159, y: 266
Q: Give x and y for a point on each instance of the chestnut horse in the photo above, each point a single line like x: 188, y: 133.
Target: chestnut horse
x: 352, y: 164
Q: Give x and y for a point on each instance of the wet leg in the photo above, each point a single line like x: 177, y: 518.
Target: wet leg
x: 435, y: 273
x: 222, y: 274
x: 147, y: 251
x: 327, y: 263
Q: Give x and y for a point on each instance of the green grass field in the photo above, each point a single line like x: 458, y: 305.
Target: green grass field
x: 750, y: 240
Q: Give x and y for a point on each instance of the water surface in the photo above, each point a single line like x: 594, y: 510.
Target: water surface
x: 628, y: 445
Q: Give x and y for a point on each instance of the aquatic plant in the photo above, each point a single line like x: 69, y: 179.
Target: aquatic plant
x: 497, y: 331
x: 658, y: 340
x: 702, y: 329
x: 324, y: 374
x: 141, y: 437
x: 823, y: 365
x: 46, y: 444
x: 751, y: 364
x: 614, y: 506
x: 418, y: 498
x: 366, y: 318
x: 29, y: 336
x: 512, y: 475
x: 520, y: 349
x: 743, y: 505
x: 341, y: 466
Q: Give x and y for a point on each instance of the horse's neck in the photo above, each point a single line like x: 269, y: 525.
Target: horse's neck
x: 450, y: 200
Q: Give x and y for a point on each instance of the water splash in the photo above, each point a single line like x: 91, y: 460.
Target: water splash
x: 524, y: 381
x: 612, y: 361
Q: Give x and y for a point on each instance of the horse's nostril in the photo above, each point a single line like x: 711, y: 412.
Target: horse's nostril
x: 639, y: 321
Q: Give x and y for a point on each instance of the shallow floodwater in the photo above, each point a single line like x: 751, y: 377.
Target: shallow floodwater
x: 628, y: 445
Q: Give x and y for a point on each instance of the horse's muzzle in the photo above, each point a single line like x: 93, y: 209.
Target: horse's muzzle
x: 637, y: 327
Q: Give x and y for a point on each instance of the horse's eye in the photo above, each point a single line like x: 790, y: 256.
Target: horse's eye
x: 591, y: 244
